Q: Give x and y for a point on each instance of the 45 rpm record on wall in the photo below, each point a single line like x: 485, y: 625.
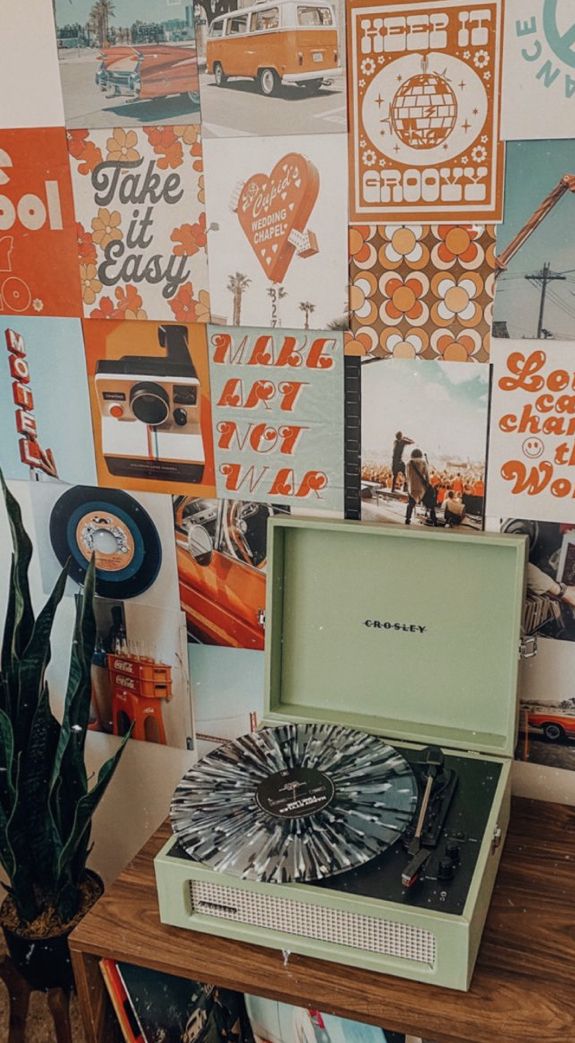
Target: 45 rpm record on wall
x: 297, y: 802
x: 114, y: 526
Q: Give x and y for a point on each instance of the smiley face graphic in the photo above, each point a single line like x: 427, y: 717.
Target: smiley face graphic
x: 533, y: 448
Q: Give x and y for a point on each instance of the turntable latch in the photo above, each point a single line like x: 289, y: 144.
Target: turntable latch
x: 528, y: 646
x: 262, y: 617
x: 496, y: 839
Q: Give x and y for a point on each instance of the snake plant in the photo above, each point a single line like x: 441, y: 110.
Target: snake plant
x: 46, y: 803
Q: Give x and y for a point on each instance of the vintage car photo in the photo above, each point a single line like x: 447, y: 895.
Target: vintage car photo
x: 271, y: 63
x: 221, y: 548
x: 127, y: 62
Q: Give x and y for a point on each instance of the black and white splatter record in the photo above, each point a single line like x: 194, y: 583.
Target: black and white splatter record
x: 297, y: 802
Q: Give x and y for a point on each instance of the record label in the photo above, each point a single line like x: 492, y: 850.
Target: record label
x: 295, y: 793
x: 108, y: 537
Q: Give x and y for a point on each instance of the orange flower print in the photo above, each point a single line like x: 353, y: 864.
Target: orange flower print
x: 184, y: 304
x: 403, y: 298
x: 198, y: 157
x: 91, y: 286
x: 203, y: 310
x: 77, y: 141
x: 402, y: 243
x: 81, y: 148
x: 456, y: 299
x: 187, y: 308
x: 190, y: 238
x: 361, y: 342
x: 121, y: 146
x: 165, y: 144
x: 201, y: 192
x: 189, y: 135
x: 86, y: 249
x: 106, y: 227
x: 408, y: 345
x: 362, y: 292
x: 105, y: 310
x: 130, y: 303
x: 361, y: 250
x: 456, y: 349
x: 458, y: 243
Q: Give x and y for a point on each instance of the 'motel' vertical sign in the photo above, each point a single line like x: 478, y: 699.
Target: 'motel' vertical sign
x: 31, y: 453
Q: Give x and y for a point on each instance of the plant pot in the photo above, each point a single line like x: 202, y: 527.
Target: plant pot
x: 44, y: 961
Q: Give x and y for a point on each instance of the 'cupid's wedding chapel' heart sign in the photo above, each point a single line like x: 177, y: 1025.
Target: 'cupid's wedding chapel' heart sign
x: 273, y: 211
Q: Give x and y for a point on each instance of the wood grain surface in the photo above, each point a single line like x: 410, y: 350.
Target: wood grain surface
x: 523, y: 990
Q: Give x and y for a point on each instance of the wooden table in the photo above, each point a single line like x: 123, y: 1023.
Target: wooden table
x: 523, y: 990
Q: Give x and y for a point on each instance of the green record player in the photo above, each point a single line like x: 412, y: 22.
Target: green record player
x: 391, y: 654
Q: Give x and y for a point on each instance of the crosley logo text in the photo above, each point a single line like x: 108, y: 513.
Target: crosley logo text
x: 409, y: 628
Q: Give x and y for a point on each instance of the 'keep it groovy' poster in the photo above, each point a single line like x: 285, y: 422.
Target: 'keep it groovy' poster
x: 276, y: 436
x: 531, y: 470
x: 424, y: 110
x: 141, y: 223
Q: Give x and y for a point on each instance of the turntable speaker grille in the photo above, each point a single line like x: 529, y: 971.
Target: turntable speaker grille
x: 308, y: 920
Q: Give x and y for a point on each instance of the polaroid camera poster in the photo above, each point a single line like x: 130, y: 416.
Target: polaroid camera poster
x: 150, y: 402
x: 277, y: 435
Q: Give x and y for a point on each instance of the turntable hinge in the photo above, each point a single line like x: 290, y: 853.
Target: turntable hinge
x: 262, y: 617
x: 528, y: 646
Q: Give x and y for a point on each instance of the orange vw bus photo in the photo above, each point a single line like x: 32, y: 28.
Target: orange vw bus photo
x: 281, y: 43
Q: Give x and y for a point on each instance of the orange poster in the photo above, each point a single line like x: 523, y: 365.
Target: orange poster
x: 424, y: 84
x: 150, y: 403
x: 38, y: 254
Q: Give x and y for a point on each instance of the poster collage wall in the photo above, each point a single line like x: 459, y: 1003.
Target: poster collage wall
x: 299, y: 256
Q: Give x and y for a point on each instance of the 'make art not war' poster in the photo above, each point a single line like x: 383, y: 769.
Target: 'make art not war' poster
x: 277, y: 406
x: 532, y: 439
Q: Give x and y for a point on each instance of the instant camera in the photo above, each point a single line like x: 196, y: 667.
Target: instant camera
x: 149, y: 411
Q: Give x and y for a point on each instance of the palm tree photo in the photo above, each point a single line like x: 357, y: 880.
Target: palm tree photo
x: 238, y: 284
x: 309, y: 310
x: 100, y: 15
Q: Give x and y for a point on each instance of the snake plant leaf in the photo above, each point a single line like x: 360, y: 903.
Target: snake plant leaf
x: 76, y: 707
x: 7, y: 792
x: 86, y: 807
x: 6, y: 660
x: 31, y: 833
x: 23, y: 617
x: 31, y: 670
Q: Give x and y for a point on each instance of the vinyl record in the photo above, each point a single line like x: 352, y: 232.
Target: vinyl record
x: 119, y: 530
x: 297, y: 802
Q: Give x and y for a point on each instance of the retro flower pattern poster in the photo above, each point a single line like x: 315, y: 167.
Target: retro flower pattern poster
x: 420, y: 291
x: 141, y: 223
x: 424, y: 107
x: 38, y: 275
x: 277, y: 256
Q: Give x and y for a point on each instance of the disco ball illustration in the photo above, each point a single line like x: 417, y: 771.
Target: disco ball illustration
x: 423, y: 111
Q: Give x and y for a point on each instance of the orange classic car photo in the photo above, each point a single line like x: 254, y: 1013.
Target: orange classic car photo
x: 222, y: 557
x: 556, y: 727
x: 146, y: 71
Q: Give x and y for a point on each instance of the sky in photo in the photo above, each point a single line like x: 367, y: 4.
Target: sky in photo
x: 442, y: 406
x: 126, y: 11
x: 534, y: 168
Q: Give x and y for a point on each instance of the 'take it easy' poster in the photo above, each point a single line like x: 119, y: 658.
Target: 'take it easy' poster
x: 532, y: 438
x: 278, y: 402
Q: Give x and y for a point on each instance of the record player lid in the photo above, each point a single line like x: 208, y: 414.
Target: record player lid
x: 410, y: 634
